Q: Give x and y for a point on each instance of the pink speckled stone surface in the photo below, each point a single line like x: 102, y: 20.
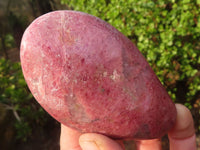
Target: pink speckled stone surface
x: 90, y: 77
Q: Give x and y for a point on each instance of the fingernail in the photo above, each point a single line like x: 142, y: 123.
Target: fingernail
x: 88, y: 145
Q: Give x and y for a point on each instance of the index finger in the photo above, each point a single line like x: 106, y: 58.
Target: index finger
x: 69, y: 139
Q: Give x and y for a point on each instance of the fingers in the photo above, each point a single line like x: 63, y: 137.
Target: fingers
x: 93, y: 141
x: 182, y: 136
x: 69, y: 139
x: 154, y: 144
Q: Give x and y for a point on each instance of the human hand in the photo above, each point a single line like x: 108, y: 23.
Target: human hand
x: 181, y: 137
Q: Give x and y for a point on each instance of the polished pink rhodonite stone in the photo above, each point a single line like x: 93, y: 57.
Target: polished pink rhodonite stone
x: 90, y: 77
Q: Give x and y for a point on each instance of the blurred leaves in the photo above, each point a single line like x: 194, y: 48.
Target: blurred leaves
x: 9, y: 41
x: 15, y: 95
x: 23, y: 130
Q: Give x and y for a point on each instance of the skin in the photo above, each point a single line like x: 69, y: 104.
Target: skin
x: 181, y: 137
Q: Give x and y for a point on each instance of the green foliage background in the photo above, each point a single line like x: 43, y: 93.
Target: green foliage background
x: 167, y: 32
x: 15, y: 96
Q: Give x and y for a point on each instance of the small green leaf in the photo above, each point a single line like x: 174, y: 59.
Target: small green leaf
x: 186, y: 1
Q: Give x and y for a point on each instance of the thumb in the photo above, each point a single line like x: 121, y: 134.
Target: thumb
x: 93, y: 141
